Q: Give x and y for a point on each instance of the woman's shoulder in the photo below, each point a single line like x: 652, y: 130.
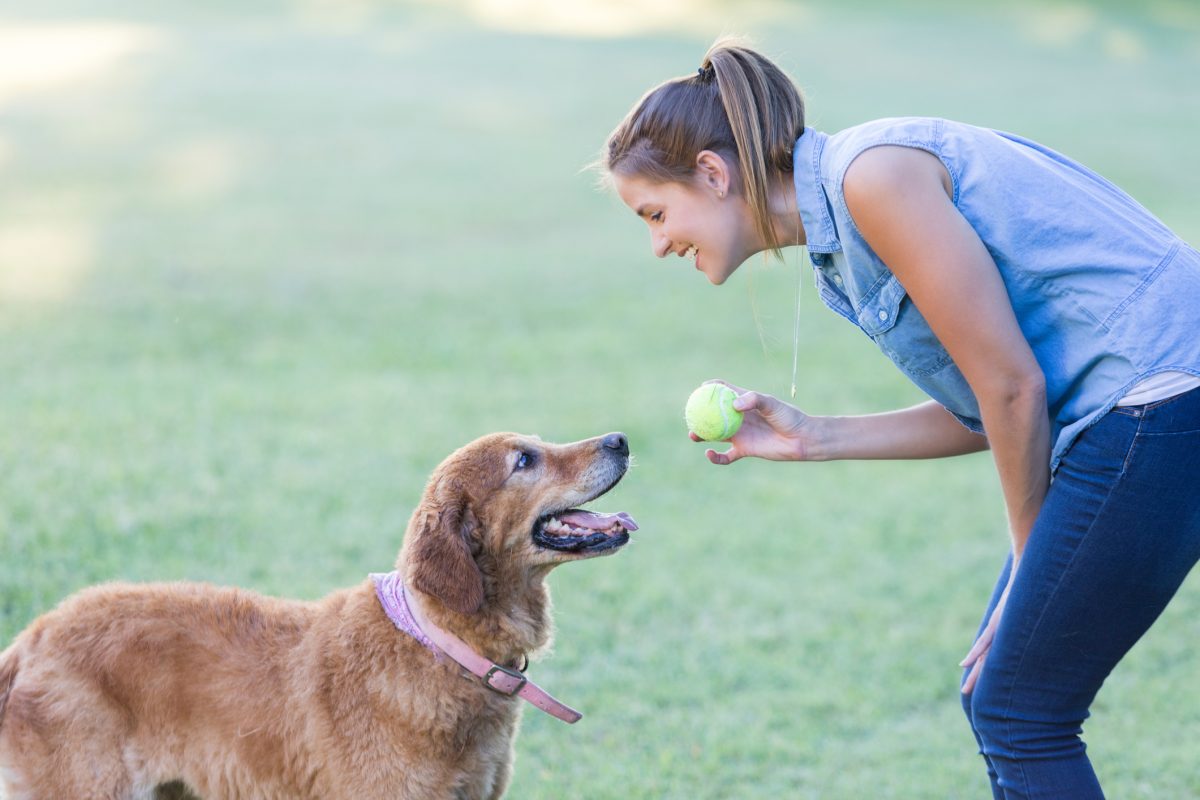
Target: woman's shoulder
x: 846, y: 145
x: 898, y: 130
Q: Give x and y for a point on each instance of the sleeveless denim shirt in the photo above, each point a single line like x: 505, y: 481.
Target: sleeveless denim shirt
x: 1104, y: 293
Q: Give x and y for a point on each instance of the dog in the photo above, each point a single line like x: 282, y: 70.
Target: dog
x: 161, y: 690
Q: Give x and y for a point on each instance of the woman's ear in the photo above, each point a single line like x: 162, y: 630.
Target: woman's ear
x: 441, y: 563
x: 713, y: 171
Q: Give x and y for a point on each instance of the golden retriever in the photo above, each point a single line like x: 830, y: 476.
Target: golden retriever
x: 138, y: 691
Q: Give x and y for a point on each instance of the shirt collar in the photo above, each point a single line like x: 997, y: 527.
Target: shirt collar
x: 819, y: 230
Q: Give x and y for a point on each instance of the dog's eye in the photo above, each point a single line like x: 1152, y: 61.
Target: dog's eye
x: 525, y: 460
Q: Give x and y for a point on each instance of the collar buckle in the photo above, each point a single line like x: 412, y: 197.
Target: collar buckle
x: 507, y: 681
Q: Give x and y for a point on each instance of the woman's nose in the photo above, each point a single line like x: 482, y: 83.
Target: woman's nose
x: 660, y: 244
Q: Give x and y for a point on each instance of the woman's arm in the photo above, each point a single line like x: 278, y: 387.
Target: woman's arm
x: 899, y: 198
x: 778, y: 431
x: 923, y: 431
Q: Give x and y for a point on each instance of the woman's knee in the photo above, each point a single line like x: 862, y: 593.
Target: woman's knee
x: 1008, y: 727
x: 967, y: 703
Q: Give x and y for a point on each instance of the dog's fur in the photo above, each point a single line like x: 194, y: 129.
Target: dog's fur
x: 124, y: 689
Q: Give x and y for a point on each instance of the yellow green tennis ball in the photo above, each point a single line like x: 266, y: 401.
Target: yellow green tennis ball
x: 710, y: 414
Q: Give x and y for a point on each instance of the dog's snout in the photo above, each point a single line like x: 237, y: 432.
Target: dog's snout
x: 617, y: 442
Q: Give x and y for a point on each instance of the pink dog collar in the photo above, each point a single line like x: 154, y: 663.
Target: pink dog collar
x: 405, y: 613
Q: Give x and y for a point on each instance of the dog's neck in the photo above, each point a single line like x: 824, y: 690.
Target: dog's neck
x: 509, y: 628
x: 404, y: 607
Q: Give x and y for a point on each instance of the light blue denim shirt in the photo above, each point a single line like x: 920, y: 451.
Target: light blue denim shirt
x: 1103, y: 291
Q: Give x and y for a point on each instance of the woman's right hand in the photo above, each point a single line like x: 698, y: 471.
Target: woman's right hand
x: 771, y: 429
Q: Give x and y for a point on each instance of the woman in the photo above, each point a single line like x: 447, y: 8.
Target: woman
x: 1049, y: 317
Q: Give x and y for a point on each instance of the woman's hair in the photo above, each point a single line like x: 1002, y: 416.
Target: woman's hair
x: 738, y: 104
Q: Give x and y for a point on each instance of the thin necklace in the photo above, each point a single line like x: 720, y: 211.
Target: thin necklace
x: 799, y: 295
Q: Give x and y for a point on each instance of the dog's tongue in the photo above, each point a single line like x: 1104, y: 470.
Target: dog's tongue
x: 597, y: 522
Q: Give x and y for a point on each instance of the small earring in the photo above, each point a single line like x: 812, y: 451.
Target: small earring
x: 720, y: 194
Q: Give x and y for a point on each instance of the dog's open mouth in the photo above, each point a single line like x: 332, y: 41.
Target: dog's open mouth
x: 578, y: 531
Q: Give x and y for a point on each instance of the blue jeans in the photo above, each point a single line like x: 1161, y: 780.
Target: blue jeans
x: 1118, y: 533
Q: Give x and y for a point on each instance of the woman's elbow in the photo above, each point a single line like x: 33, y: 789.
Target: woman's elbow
x: 1025, y: 389
x: 1020, y: 387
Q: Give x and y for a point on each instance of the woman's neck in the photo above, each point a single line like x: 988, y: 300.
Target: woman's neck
x: 785, y: 216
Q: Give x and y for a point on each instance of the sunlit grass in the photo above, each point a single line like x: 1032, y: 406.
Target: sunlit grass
x: 38, y: 57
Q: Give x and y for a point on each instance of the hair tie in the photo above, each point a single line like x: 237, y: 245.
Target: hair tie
x: 706, y: 74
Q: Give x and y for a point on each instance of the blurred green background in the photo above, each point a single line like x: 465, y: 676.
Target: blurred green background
x: 262, y: 266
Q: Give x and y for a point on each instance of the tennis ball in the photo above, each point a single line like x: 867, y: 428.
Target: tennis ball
x: 710, y: 414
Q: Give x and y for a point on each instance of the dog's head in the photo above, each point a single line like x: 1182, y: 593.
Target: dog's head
x: 504, y: 509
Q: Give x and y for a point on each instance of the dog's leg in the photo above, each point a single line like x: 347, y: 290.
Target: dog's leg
x: 8, y: 676
x: 65, y: 780
x: 52, y: 749
x: 176, y: 790
x: 504, y: 768
x: 503, y: 776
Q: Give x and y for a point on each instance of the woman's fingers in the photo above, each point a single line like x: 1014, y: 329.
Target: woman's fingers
x: 981, y: 646
x: 975, y: 659
x: 735, y: 388
x: 973, y: 676
x: 723, y: 459
x: 746, y: 401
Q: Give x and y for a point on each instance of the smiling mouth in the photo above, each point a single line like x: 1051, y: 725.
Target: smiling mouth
x: 577, y: 530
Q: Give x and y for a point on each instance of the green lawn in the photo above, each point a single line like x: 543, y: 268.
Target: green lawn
x: 261, y: 270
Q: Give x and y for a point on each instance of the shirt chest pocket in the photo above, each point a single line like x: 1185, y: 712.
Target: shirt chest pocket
x: 889, y: 317
x: 831, y: 291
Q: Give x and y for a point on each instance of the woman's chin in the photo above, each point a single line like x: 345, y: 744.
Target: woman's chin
x: 717, y: 274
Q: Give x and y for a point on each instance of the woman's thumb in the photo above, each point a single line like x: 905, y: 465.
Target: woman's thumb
x: 764, y: 404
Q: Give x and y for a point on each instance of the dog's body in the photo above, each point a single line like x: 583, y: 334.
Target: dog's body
x: 124, y: 688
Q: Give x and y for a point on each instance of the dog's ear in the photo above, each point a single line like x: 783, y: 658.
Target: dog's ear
x: 441, y: 563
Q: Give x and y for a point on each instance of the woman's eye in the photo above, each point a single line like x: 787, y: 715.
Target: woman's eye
x: 656, y: 216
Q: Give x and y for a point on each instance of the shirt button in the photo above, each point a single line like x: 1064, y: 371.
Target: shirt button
x: 883, y: 315
x: 837, y: 279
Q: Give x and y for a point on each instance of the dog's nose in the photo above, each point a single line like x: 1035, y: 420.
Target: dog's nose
x: 617, y: 442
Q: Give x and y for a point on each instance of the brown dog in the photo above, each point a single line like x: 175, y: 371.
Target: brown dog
x: 123, y: 690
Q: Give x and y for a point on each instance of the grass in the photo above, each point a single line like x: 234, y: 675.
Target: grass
x: 260, y: 270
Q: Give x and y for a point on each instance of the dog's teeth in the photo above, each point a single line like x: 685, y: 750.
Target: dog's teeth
x: 557, y: 527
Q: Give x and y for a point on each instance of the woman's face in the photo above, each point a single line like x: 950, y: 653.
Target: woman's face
x: 697, y: 219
